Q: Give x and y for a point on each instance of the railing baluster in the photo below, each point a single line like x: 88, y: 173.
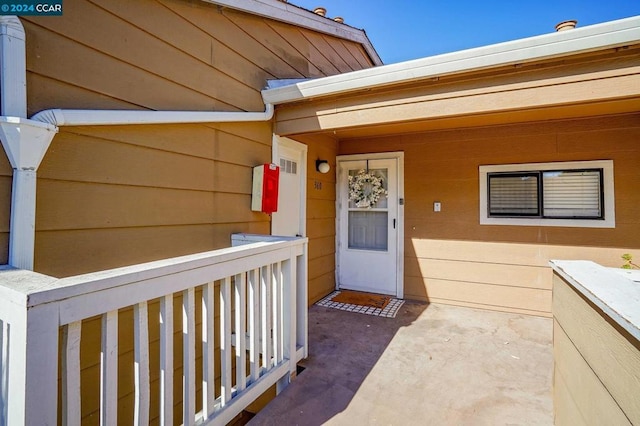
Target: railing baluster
x: 189, y: 356
x: 225, y: 340
x: 166, y: 360
x: 141, y: 363
x: 276, y: 282
x: 265, y: 282
x: 254, y: 324
x: 241, y: 327
x: 71, y: 414
x: 109, y: 370
x: 208, y: 349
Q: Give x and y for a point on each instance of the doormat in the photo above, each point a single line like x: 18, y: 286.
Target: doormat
x: 363, y: 303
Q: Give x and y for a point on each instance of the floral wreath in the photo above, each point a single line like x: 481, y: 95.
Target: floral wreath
x: 365, y: 189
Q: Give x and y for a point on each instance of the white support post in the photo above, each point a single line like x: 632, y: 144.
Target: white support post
x: 189, y: 357
x: 71, y: 412
x: 208, y: 351
x: 166, y: 360
x: 302, y: 293
x: 141, y: 364
x: 289, y: 315
x: 109, y: 370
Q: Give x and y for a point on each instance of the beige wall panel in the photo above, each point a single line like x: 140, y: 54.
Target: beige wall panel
x: 320, y: 247
x: 324, y: 45
x: 58, y: 57
x: 509, y: 253
x: 71, y: 205
x: 475, y: 272
x: 62, y: 254
x: 487, y: 294
x: 565, y: 410
x: 612, y: 354
x: 74, y: 157
x: 321, y: 189
x: 320, y: 209
x: 233, y: 143
x: 6, y: 183
x: 436, y: 161
x: 45, y: 93
x: 318, y: 228
x: 344, y: 53
x: 125, y: 42
x: 589, y: 395
x: 321, y: 286
x: 259, y: 29
x: 358, y: 53
x: 319, y: 65
x: 223, y: 29
x: 320, y: 266
x: 85, y: 159
x: 173, y: 29
x: 4, y: 248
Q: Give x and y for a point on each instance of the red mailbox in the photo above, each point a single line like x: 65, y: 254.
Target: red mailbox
x: 264, y: 197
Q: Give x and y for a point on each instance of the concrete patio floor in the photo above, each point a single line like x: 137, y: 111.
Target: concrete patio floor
x: 431, y: 365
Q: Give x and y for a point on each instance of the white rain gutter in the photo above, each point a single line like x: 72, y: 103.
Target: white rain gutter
x: 612, y: 34
x: 26, y: 140
x: 79, y: 117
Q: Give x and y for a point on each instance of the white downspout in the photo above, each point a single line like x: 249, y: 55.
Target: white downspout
x: 24, y: 141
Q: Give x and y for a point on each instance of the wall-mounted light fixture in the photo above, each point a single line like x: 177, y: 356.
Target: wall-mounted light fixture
x: 322, y: 166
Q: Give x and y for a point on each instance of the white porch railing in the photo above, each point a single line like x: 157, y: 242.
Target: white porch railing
x: 261, y: 292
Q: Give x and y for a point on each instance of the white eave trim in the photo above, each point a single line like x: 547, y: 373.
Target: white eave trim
x: 580, y: 40
x: 298, y: 16
x: 80, y: 117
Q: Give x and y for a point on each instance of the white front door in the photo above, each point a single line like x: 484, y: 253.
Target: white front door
x: 369, y: 237
x: 291, y: 156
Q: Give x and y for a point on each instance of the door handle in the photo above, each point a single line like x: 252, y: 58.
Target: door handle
x: 394, y: 224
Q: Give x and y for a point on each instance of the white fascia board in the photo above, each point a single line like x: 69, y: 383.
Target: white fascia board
x: 581, y: 40
x: 298, y: 16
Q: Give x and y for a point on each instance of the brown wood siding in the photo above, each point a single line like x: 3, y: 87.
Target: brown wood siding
x: 321, y: 217
x: 451, y: 258
x: 115, y: 195
x: 597, y: 364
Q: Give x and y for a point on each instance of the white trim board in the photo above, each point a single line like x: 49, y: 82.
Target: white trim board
x: 608, y: 189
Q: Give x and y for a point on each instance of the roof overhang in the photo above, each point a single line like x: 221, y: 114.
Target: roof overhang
x: 558, y: 44
x: 296, y: 15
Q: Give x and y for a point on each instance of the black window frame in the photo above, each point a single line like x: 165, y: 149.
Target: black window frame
x: 540, y: 188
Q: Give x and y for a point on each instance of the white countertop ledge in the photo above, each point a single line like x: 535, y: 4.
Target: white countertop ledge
x: 615, y: 291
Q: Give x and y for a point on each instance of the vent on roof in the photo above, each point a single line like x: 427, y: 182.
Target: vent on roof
x: 566, y: 25
x: 320, y: 11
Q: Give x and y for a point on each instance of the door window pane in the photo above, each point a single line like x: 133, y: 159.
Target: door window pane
x: 368, y: 230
